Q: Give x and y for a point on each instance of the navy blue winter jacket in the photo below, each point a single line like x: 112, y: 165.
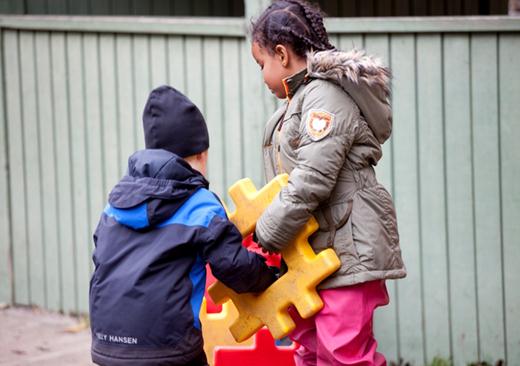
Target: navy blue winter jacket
x: 159, y: 229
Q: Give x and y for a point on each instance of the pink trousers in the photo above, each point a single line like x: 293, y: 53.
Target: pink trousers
x: 341, y: 333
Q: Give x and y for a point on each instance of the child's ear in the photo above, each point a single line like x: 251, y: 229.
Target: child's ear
x: 281, y: 51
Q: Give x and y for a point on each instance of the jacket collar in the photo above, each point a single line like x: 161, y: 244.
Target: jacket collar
x: 293, y: 82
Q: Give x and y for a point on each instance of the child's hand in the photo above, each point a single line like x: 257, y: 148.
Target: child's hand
x: 274, y: 270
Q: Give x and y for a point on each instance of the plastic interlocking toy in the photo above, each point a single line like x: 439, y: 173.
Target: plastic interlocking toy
x: 296, y: 287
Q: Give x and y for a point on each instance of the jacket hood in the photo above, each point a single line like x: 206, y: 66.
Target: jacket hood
x: 364, y: 78
x: 158, y: 182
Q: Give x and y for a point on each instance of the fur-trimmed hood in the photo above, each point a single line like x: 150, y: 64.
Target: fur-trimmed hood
x: 364, y: 78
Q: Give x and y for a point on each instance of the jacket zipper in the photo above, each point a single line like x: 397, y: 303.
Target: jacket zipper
x: 278, y: 140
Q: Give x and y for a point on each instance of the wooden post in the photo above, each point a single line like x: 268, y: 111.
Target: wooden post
x: 6, y: 278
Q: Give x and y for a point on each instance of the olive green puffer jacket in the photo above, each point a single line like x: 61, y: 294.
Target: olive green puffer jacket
x: 328, y: 137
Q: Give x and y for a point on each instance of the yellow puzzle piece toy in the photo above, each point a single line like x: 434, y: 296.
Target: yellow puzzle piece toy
x: 296, y: 287
x: 214, y: 328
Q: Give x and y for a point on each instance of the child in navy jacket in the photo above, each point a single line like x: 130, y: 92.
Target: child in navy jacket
x: 160, y: 227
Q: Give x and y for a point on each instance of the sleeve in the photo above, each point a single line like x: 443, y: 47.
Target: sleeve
x: 231, y: 263
x: 326, y: 129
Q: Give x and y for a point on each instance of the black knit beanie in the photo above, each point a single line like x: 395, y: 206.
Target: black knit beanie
x: 172, y: 122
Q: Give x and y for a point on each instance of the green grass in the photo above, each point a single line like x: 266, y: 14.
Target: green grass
x: 438, y: 361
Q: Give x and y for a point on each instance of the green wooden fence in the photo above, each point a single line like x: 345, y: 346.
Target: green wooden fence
x: 70, y: 104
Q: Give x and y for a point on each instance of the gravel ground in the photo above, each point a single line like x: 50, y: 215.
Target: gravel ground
x: 31, y: 336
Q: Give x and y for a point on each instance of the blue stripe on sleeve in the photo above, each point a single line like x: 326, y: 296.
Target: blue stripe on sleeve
x: 198, y: 281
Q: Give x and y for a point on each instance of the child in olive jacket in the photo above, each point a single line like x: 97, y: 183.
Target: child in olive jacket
x: 327, y: 136
x: 160, y: 227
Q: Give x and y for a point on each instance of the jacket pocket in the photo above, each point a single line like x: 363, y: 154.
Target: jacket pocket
x: 389, y: 216
x: 346, y: 249
x: 336, y: 226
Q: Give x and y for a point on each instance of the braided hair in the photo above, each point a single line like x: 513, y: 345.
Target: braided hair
x: 294, y: 23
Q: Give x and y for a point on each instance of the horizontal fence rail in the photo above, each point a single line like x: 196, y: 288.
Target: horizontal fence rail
x: 70, y: 116
x: 237, y: 27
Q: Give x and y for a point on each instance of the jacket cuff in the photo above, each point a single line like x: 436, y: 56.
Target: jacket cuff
x: 264, y: 233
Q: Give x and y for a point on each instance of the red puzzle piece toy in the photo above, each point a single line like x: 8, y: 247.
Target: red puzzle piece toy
x: 271, y: 259
x: 263, y: 353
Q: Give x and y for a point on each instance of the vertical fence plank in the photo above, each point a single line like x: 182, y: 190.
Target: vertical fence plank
x: 176, y: 64
x: 32, y: 170
x: 158, y: 61
x: 410, y: 302
x: 460, y: 198
x: 350, y: 41
x: 432, y: 193
x: 334, y: 39
x: 17, y: 171
x: 110, y: 112
x: 213, y: 114
x: 79, y: 168
x: 143, y: 84
x: 378, y: 47
x: 252, y: 115
x: 128, y: 119
x: 385, y: 318
x: 64, y: 170
x: 49, y: 173
x: 509, y: 81
x: 194, y: 57
x: 231, y: 121
x: 269, y: 102
x: 488, y: 240
x: 6, y: 278
x: 93, y: 134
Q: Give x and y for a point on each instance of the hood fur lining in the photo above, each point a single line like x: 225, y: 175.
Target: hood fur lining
x: 355, y: 65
